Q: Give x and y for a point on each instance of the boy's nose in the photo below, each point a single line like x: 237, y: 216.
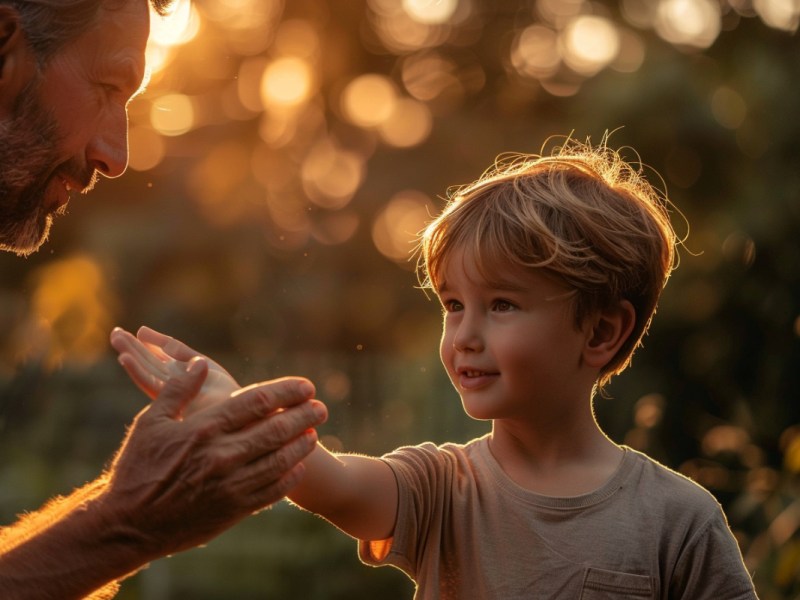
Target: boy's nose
x: 468, y: 336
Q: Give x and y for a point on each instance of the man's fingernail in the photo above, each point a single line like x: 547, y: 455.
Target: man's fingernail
x: 319, y: 410
x: 306, y: 389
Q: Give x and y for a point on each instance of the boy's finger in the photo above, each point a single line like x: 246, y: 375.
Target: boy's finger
x: 181, y: 389
x: 171, y: 346
x: 147, y: 381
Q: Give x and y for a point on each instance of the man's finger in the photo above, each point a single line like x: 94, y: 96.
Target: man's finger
x: 270, y: 434
x: 259, y: 479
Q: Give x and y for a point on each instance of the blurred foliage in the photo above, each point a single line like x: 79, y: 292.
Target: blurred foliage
x: 282, y: 158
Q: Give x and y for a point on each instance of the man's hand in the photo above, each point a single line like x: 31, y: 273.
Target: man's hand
x: 181, y: 478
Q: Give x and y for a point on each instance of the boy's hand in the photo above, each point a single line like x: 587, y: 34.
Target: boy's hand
x: 152, y: 358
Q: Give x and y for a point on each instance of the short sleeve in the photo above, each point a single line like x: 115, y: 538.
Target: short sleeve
x: 711, y: 567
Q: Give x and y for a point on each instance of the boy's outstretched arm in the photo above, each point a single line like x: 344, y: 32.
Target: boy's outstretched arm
x: 356, y: 493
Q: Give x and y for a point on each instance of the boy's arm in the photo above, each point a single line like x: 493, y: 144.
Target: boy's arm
x: 356, y: 493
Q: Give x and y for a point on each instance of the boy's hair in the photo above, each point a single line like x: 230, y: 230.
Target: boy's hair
x: 582, y: 215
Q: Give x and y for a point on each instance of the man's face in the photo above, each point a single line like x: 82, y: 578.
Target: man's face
x: 70, y: 123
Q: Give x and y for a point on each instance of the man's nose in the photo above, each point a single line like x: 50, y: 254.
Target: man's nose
x: 107, y: 150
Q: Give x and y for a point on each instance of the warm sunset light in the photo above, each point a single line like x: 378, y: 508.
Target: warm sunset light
x: 780, y: 14
x: 71, y: 310
x: 331, y: 175
x: 286, y: 82
x: 145, y: 148
x: 172, y: 114
x: 369, y: 100
x: 396, y: 229
x: 689, y: 22
x: 590, y: 44
x: 409, y: 124
x: 430, y: 11
x: 535, y: 52
x: 284, y: 157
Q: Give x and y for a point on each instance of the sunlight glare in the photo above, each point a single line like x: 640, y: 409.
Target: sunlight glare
x: 287, y: 82
x: 430, y: 12
x: 689, y: 22
x: 172, y: 114
x: 180, y: 26
x: 589, y: 44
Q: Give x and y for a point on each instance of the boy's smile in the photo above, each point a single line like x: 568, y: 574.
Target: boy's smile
x: 509, y: 345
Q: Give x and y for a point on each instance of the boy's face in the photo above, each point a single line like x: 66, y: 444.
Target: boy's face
x: 510, y: 346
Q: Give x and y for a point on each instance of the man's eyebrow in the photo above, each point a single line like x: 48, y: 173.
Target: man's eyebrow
x: 143, y: 85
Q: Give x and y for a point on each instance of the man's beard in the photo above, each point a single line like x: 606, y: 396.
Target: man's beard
x: 29, y: 145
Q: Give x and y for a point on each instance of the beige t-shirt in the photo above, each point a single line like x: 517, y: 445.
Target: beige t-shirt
x: 465, y: 530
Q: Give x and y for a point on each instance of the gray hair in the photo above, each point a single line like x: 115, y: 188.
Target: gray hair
x: 49, y: 24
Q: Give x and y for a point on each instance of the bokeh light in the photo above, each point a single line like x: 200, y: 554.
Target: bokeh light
x: 172, y: 114
x: 535, y: 52
x: 331, y: 175
x: 590, y: 43
x: 694, y: 23
x: 396, y: 228
x: 430, y: 12
x: 780, y: 14
x: 71, y: 313
x: 409, y: 124
x: 287, y: 82
x: 369, y: 100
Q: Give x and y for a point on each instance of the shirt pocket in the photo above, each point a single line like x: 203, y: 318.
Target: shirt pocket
x: 599, y: 584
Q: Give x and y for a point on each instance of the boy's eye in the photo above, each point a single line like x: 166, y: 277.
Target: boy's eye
x: 503, y: 306
x: 451, y: 305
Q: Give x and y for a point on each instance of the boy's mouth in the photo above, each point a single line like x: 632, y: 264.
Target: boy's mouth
x: 471, y: 378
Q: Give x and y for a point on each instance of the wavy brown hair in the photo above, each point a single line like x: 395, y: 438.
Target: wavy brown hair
x: 582, y: 215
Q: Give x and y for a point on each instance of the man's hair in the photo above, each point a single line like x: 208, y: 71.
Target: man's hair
x: 49, y: 24
x: 582, y: 216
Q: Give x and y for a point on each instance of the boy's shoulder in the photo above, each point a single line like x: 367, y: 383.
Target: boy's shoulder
x: 661, y: 485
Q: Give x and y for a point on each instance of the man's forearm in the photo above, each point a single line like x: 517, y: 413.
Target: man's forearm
x: 71, y: 548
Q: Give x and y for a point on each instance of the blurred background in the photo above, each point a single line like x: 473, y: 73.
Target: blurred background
x: 282, y: 159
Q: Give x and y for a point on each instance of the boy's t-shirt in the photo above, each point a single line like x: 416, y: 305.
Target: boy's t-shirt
x: 466, y: 530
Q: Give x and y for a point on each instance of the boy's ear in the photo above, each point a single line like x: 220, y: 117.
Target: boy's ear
x: 17, y: 63
x: 608, y: 331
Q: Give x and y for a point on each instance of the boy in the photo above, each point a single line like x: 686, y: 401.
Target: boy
x: 549, y: 270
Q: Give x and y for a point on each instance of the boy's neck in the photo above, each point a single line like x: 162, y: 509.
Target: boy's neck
x: 574, y: 461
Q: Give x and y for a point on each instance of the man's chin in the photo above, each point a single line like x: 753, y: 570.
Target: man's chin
x: 28, y: 238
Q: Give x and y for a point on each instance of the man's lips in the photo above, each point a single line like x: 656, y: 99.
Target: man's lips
x: 62, y: 184
x: 57, y: 193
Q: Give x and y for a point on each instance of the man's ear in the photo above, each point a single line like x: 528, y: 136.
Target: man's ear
x: 607, y: 332
x: 17, y: 62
